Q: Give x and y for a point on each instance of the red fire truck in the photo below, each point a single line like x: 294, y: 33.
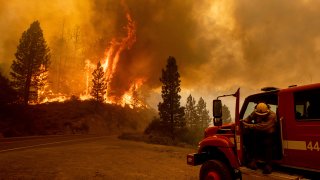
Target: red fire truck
x: 296, y: 151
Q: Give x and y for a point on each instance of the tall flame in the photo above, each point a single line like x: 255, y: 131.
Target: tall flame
x: 109, y: 64
x: 131, y: 98
x: 116, y: 47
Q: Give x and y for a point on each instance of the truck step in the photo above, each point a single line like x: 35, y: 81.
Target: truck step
x: 249, y: 174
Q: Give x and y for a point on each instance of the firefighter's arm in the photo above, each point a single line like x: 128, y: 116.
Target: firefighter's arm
x: 248, y: 119
x: 265, y: 126
x: 247, y: 125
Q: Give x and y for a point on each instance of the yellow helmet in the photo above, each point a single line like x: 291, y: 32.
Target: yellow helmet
x: 262, y: 109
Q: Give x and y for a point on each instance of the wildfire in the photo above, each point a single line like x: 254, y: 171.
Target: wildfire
x: 89, y: 67
x: 109, y: 64
x: 116, y: 47
x: 52, y: 97
x: 131, y: 96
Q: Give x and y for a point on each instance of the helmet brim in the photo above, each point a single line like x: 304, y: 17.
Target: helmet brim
x: 262, y: 114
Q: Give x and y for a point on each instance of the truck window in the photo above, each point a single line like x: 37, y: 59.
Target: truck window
x: 307, y: 105
x: 249, y: 109
x: 252, y: 105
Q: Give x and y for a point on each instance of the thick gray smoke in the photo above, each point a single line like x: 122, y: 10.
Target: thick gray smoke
x: 219, y: 45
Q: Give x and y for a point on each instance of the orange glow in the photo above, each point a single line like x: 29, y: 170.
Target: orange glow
x: 109, y: 64
x: 131, y: 96
x: 42, y: 80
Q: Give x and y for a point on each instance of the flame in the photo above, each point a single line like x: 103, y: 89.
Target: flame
x: 109, y: 64
x: 42, y: 81
x: 84, y: 97
x: 89, y: 67
x: 116, y: 47
x: 52, y: 97
x: 131, y: 97
x: 39, y: 85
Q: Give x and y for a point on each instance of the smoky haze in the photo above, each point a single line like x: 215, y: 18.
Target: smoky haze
x: 219, y: 45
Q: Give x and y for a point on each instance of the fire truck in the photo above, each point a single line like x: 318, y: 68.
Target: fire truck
x: 223, y: 151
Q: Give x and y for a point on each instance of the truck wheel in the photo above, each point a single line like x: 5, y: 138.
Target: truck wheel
x: 215, y: 170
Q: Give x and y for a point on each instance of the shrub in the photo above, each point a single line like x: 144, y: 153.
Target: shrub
x: 154, y: 127
x: 190, y: 137
x: 158, y: 135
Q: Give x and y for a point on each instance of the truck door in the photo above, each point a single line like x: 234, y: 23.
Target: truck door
x: 302, y: 143
x: 270, y: 98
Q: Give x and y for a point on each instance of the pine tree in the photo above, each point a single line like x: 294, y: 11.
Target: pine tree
x: 203, y: 115
x: 226, y: 115
x: 32, y: 61
x: 191, y: 113
x: 171, y: 114
x: 135, y: 98
x: 99, y: 84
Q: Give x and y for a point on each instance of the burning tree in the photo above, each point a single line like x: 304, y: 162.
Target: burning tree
x: 171, y: 114
x: 29, y: 69
x: 99, y: 84
x: 135, y: 98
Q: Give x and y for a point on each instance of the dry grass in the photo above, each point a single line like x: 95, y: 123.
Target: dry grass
x: 105, y: 158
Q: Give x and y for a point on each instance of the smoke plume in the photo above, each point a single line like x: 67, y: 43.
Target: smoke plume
x: 219, y: 45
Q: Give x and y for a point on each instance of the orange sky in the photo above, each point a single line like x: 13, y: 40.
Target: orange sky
x: 219, y: 45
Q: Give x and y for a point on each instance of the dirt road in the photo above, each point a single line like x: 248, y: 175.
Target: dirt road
x: 97, y: 158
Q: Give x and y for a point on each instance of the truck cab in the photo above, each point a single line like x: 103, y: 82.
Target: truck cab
x: 296, y: 149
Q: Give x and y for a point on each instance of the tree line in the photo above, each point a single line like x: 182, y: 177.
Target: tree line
x: 178, y: 122
x: 29, y: 78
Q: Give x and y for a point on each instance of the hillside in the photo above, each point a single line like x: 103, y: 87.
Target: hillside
x: 72, y: 117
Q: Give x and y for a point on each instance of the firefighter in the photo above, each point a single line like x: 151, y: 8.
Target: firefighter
x: 261, y: 127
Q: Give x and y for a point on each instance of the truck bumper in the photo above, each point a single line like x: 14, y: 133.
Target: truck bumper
x: 196, y: 159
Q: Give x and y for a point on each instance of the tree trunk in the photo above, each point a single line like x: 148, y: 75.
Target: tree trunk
x: 27, y: 90
x: 171, y: 118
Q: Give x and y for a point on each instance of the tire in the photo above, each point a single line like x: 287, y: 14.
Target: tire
x: 215, y: 170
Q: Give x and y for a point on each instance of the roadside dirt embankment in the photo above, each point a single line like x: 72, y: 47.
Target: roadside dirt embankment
x: 103, y: 158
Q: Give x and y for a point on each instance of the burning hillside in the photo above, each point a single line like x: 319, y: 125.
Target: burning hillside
x: 110, y: 62
x: 218, y: 44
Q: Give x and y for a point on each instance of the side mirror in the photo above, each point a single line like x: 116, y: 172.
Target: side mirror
x: 217, y: 109
x: 217, y: 112
x: 217, y: 121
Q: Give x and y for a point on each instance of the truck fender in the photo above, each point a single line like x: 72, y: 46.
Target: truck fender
x: 217, y: 141
x: 224, y: 145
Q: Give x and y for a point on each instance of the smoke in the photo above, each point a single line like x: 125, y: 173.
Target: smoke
x: 282, y: 38
x: 219, y: 45
x: 16, y: 16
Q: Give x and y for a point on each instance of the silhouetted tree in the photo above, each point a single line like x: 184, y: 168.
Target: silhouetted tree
x: 99, y: 84
x: 191, y: 115
x: 171, y: 114
x: 226, y: 116
x: 7, y: 94
x: 31, y: 63
x: 154, y: 126
x: 203, y: 114
x: 135, y: 97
